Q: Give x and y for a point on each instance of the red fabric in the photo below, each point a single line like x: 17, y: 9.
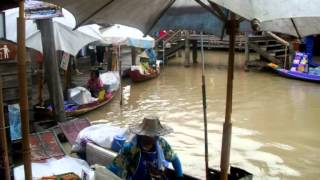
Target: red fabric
x: 162, y: 33
x: 39, y: 57
x: 95, y: 84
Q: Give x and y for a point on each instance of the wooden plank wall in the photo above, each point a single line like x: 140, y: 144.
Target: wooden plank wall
x: 9, y: 75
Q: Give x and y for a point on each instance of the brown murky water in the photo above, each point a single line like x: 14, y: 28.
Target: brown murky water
x: 276, y: 121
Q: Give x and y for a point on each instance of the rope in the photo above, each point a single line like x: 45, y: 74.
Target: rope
x: 6, y: 127
x: 285, y: 57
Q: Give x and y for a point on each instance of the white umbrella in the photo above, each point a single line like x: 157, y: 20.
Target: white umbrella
x: 124, y: 35
x: 295, y: 17
x: 299, y: 27
x: 66, y: 39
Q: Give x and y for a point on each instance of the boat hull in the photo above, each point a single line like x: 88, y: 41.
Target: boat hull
x: 43, y: 113
x: 295, y: 75
x: 136, y: 76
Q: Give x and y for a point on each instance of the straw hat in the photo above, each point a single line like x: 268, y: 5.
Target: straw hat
x: 150, y: 126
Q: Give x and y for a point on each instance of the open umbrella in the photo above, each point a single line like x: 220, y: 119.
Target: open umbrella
x: 295, y: 17
x: 124, y: 35
x: 66, y: 39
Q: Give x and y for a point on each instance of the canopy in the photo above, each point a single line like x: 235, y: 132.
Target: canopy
x: 124, y: 35
x: 299, y: 27
x: 145, y: 15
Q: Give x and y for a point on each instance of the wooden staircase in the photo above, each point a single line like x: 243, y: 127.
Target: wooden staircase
x: 270, y: 49
x: 168, y: 45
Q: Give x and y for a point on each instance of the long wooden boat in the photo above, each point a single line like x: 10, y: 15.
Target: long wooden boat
x: 75, y: 110
x: 136, y: 76
x: 82, y: 109
x: 98, y: 155
x: 294, y: 74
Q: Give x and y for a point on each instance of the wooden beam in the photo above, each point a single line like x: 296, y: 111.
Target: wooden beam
x: 213, y: 11
x: 219, y: 11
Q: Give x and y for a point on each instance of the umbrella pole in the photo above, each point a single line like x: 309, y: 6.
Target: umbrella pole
x: 204, y: 101
x: 23, y: 93
x: 227, y: 126
x: 120, y: 74
x: 3, y: 139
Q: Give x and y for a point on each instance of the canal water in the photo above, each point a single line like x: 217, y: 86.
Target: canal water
x: 276, y: 121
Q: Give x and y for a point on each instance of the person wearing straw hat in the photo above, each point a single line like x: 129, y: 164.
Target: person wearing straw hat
x: 147, y: 155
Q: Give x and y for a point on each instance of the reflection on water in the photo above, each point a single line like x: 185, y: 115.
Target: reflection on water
x: 275, y: 120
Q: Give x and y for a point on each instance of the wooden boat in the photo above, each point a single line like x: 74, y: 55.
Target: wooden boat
x: 82, y: 109
x: 136, y: 76
x: 294, y: 74
x: 98, y: 155
x: 74, y: 110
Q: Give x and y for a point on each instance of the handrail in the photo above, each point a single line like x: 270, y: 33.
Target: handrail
x: 282, y: 41
x: 172, y: 36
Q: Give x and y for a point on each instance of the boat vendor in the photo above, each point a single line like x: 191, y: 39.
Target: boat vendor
x: 147, y: 155
x: 94, y: 84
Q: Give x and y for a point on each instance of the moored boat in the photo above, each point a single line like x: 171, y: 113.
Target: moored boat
x: 96, y: 154
x: 136, y: 76
x: 295, y: 74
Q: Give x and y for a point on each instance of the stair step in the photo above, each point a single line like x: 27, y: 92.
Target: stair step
x: 282, y: 56
x: 260, y: 38
x: 276, y: 50
x: 271, y: 45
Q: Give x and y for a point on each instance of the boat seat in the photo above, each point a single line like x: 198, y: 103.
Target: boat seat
x: 98, y: 155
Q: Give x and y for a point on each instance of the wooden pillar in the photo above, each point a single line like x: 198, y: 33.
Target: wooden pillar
x: 68, y: 77
x: 109, y: 59
x: 51, y: 68
x: 179, y: 53
x: 247, y: 52
x: 187, y: 50
x: 4, y: 158
x: 227, y: 126
x: 133, y: 55
x: 194, y: 52
x: 23, y: 92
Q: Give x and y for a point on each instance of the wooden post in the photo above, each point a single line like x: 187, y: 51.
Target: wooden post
x: 51, y: 68
x: 109, y: 57
x: 23, y: 93
x: 187, y: 50
x: 68, y: 76
x: 133, y: 55
x: 4, y: 158
x: 179, y: 53
x: 194, y: 52
x: 227, y: 126
x: 247, y: 52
